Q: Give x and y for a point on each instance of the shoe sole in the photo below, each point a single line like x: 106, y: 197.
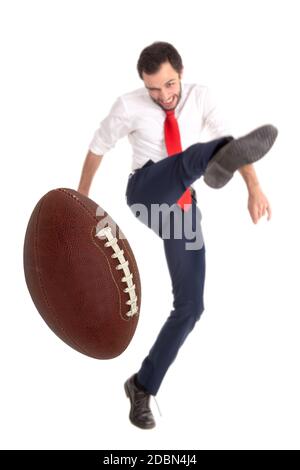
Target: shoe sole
x: 239, y: 152
x: 151, y: 426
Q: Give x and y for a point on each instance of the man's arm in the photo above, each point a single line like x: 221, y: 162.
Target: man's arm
x: 90, y: 166
x: 258, y: 204
x: 112, y: 128
x: 250, y: 177
x: 216, y: 124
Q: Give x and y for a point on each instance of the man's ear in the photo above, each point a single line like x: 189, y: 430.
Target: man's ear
x: 181, y: 73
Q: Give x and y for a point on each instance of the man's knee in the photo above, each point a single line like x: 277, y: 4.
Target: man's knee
x: 192, y: 309
x: 199, y: 309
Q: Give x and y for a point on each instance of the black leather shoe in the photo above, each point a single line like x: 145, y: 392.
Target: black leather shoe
x: 140, y: 414
x: 239, y: 152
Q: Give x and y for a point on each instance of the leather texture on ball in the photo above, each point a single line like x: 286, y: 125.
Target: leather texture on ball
x: 74, y: 280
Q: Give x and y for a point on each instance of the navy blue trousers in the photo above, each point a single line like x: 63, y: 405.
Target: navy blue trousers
x: 151, y: 187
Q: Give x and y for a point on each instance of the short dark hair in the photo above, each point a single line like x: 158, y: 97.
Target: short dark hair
x: 156, y: 54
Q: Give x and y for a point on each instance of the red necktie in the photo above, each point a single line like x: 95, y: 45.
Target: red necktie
x: 173, y: 145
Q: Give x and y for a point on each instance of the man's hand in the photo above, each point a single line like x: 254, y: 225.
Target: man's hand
x: 258, y: 204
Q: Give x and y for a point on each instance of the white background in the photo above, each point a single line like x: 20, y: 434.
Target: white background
x: 235, y: 383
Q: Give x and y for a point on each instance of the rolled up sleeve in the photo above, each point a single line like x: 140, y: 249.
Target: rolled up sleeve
x: 115, y: 126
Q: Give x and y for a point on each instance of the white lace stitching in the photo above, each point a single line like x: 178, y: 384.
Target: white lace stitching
x: 118, y: 253
x: 157, y: 405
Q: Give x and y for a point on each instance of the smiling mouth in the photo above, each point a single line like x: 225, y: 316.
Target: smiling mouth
x: 169, y: 102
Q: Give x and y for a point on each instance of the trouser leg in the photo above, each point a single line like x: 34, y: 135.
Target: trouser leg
x: 166, y: 180
x: 186, y: 263
x: 187, y: 270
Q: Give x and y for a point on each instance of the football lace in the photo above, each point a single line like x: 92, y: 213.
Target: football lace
x: 118, y: 253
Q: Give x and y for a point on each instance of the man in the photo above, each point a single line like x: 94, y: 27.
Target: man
x: 164, y: 119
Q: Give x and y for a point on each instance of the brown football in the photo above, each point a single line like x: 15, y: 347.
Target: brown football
x: 82, y: 274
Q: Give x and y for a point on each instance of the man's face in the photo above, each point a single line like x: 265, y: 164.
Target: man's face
x: 164, y: 86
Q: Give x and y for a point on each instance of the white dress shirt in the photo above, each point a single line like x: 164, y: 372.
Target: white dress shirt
x: 135, y: 115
